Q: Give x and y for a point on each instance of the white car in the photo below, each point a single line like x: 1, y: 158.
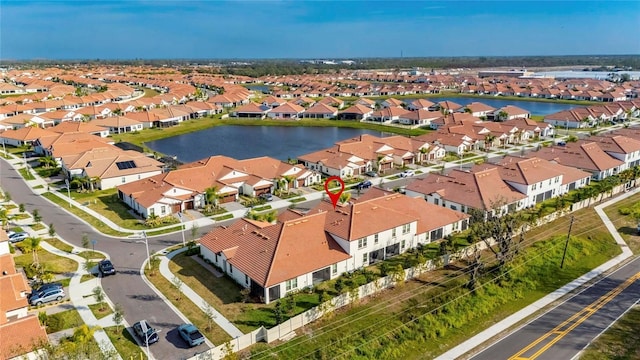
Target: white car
x: 407, y: 173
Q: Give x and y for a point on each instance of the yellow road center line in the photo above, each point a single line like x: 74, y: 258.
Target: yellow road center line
x: 573, y: 321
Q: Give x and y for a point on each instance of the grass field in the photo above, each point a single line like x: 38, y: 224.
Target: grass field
x: 626, y: 224
x: 63, y: 320
x: 125, y: 343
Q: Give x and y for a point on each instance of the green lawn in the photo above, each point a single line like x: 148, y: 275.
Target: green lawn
x: 107, y: 204
x: 97, y: 224
x: 59, y: 244
x: 125, y: 343
x: 55, y: 264
x: 626, y: 224
x: 224, y: 295
x: 26, y: 174
x: 100, y: 310
x: 63, y: 320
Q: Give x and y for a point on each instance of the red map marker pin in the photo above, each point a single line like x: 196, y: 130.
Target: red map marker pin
x: 334, y: 196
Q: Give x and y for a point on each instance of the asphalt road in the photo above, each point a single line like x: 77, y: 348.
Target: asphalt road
x: 127, y: 288
x: 565, y: 330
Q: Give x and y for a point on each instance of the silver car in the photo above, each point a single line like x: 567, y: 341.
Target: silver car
x: 40, y: 297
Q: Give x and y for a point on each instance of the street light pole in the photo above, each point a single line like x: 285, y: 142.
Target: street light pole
x: 66, y: 181
x: 146, y: 242
x: 184, y: 243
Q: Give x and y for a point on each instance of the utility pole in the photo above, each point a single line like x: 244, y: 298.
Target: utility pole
x: 566, y: 244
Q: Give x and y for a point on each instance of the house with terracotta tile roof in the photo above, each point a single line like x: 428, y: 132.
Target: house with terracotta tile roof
x: 320, y: 111
x: 365, y: 102
x: 584, y: 155
x: 185, y: 187
x: 464, y: 190
x: 477, y: 109
x: 420, y: 104
x: 620, y: 147
x: 537, y: 178
x: 272, y: 101
x: 286, y: 111
x: 20, y: 332
x: 531, y: 127
x: 23, y: 136
x: 24, y: 120
x: 251, y: 110
x: 391, y: 102
x: 383, y: 224
x: 110, y: 166
x: 446, y: 107
x: 275, y: 259
x: 355, y: 112
x: 118, y: 124
x: 92, y: 128
x: 507, y: 113
x: 418, y: 118
x: 388, y: 115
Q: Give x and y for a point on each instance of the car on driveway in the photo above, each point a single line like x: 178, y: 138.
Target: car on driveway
x: 407, y: 173
x: 266, y: 197
x: 17, y: 237
x: 147, y: 334
x: 191, y: 334
x: 106, y: 268
x: 371, y: 173
x: 38, y: 298
x: 48, y: 286
x: 364, y: 184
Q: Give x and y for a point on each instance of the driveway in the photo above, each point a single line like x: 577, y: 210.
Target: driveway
x: 127, y: 288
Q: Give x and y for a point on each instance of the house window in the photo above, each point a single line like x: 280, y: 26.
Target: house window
x: 230, y: 269
x: 291, y: 284
x: 436, y: 201
x: 216, y: 258
x: 362, y: 243
x: 123, y: 179
x: 393, y: 232
x: 246, y: 279
x: 163, y: 209
x: 375, y: 239
x: 557, y: 179
x: 402, y: 244
x: 152, y: 212
x: 406, y: 228
x: 334, y: 269
x: 365, y: 258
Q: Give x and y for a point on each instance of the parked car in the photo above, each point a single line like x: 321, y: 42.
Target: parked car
x: 371, y: 173
x: 407, y: 173
x: 562, y: 143
x: 48, y: 286
x: 17, y: 237
x: 267, y: 197
x: 106, y: 268
x: 40, y: 297
x: 10, y: 232
x: 191, y: 334
x: 364, y: 184
x: 147, y: 334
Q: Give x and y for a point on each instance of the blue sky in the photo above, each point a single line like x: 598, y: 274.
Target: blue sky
x: 130, y: 29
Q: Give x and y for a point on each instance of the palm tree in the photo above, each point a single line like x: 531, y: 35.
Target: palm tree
x: 117, y: 112
x: 287, y: 180
x: 79, y: 182
x: 488, y: 141
x: 32, y: 244
x: 93, y: 181
x: 212, y: 196
x: 86, y: 118
x: 48, y: 161
x: 502, y: 115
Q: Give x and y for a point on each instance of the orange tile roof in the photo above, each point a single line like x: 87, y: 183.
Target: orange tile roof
x: 270, y: 254
x: 21, y: 336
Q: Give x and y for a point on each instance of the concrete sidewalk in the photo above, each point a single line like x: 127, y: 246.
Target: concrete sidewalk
x: 517, y: 317
x: 225, y: 324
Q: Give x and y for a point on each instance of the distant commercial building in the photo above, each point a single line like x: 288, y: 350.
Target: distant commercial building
x: 509, y: 73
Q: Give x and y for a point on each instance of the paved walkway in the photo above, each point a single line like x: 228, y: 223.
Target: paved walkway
x: 512, y: 320
x: 225, y: 324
